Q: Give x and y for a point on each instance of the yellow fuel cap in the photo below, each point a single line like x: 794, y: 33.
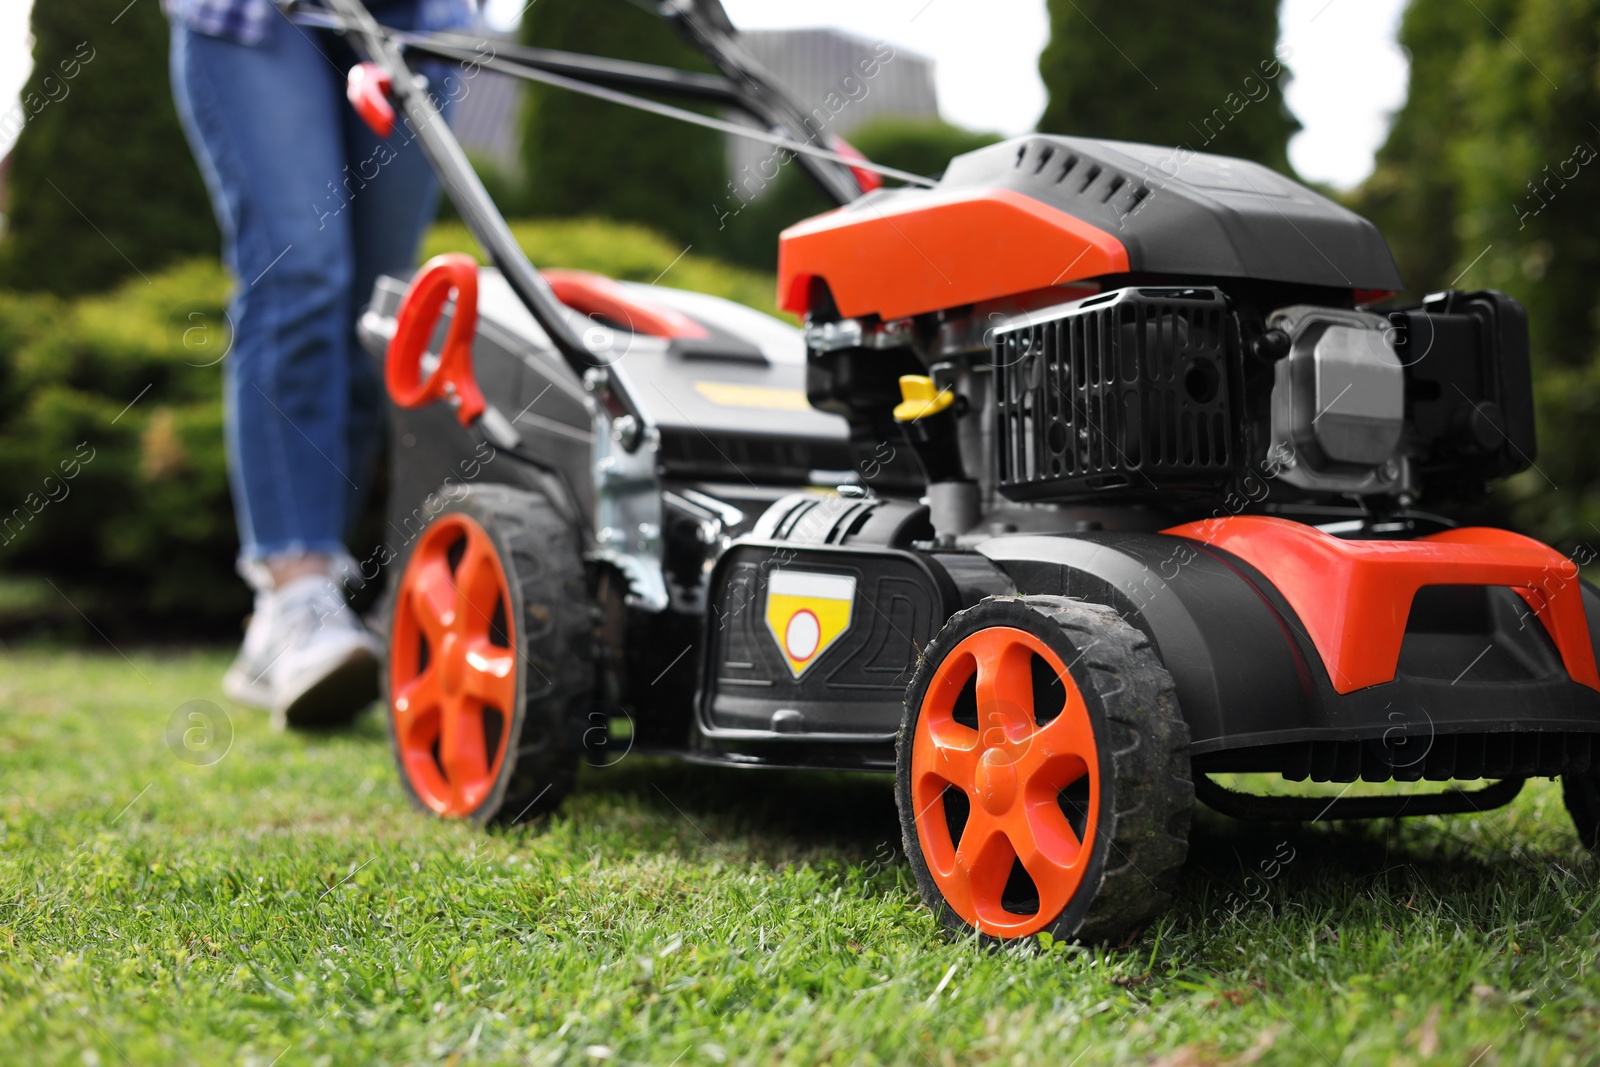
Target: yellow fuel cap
x: 919, y: 398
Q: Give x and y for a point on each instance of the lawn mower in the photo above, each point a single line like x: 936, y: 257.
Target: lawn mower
x: 1096, y: 470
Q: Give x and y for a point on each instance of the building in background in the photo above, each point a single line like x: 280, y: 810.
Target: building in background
x: 810, y: 64
x: 814, y: 65
x: 487, y: 119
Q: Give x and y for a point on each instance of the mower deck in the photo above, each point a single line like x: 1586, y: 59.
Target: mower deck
x: 1096, y: 469
x: 1279, y: 663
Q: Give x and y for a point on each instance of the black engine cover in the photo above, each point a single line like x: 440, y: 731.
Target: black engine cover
x: 1469, y: 389
x: 1189, y: 213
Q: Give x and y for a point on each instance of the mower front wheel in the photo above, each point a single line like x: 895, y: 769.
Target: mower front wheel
x: 1042, y: 773
x: 490, y: 670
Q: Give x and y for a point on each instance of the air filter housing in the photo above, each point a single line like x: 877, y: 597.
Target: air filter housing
x: 1122, y: 394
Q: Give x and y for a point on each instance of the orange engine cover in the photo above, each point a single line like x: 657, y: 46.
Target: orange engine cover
x: 914, y: 252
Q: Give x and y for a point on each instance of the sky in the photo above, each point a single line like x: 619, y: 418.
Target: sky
x: 1348, y: 73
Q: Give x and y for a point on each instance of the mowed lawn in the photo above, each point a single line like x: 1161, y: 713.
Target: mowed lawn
x: 283, y: 905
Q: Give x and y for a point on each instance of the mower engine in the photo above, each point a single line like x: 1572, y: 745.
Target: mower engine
x: 1135, y: 366
x: 1150, y: 391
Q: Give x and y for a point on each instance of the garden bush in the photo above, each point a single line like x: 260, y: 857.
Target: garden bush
x: 112, y: 480
x: 113, y: 483
x: 622, y: 250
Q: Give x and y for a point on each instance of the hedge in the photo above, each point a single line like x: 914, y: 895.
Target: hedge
x: 113, y: 483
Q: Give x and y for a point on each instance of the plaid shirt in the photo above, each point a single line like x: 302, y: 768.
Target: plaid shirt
x: 246, y: 21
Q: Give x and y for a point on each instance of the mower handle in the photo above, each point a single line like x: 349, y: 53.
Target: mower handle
x: 710, y: 14
x: 461, y: 183
x: 706, y: 26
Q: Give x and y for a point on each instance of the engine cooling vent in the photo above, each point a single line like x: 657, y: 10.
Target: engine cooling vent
x: 1049, y: 163
x: 1125, y: 393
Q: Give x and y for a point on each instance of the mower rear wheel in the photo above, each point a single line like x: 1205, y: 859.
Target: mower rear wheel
x: 1042, y: 773
x: 490, y: 670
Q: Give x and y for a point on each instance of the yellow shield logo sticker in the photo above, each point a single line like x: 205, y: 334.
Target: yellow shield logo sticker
x: 806, y: 612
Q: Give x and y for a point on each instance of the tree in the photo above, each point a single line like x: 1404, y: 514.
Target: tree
x: 1528, y: 168
x: 1412, y: 194
x: 102, y: 184
x: 1206, y: 77
x: 1487, y: 180
x: 588, y: 157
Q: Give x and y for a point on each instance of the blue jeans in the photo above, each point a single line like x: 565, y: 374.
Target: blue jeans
x: 313, y: 206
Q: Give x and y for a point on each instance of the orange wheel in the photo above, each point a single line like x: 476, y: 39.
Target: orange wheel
x: 1006, y: 784
x: 1010, y: 763
x: 477, y: 624
x: 453, y: 679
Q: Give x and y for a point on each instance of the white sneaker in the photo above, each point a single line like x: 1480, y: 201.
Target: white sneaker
x: 245, y: 680
x: 305, y: 656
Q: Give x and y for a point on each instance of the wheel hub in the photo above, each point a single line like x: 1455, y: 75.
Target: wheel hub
x: 995, y: 781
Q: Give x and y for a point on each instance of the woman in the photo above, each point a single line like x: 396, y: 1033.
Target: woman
x: 313, y: 206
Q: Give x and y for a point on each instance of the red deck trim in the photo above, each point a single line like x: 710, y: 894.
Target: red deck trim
x: 595, y: 294
x: 1354, y: 597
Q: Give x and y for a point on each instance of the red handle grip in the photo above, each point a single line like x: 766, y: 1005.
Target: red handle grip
x: 367, y: 88
x: 868, y: 180
x: 597, y: 295
x: 415, y: 322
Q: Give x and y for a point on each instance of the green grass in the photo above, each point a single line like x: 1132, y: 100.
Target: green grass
x: 284, y: 905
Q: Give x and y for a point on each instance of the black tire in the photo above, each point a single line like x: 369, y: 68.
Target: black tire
x: 554, y: 648
x: 1581, y: 791
x: 1146, y: 794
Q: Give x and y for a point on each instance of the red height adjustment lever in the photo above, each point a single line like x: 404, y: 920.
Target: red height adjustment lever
x: 367, y: 88
x: 415, y: 322
x: 451, y: 379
